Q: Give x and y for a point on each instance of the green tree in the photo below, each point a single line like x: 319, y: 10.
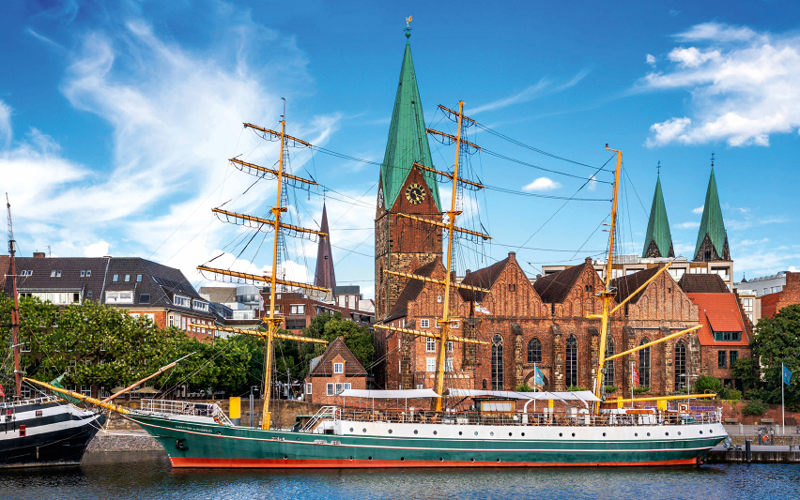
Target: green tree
x: 357, y: 338
x: 777, y: 341
x: 705, y: 384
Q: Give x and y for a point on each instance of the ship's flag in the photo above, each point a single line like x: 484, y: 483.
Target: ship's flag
x: 482, y: 310
x: 787, y: 375
x: 2, y: 392
x: 635, y: 375
x: 538, y: 376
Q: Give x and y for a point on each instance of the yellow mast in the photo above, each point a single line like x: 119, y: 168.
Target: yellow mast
x: 608, y: 294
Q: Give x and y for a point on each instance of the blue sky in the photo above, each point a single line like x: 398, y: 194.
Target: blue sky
x: 116, y: 121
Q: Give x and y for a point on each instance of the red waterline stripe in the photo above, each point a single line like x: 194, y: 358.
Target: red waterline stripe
x: 277, y: 463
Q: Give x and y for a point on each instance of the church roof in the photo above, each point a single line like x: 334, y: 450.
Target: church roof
x: 658, y: 227
x: 712, y: 224
x: 555, y: 287
x: 408, y: 140
x: 702, y: 283
x: 412, y: 290
x: 325, y: 275
x: 626, y: 285
x: 482, y: 278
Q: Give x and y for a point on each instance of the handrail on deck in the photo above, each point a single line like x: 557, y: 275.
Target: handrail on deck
x: 210, y: 410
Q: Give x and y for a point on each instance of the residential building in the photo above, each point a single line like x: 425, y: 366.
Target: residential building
x: 789, y: 294
x: 333, y: 372
x: 764, y: 285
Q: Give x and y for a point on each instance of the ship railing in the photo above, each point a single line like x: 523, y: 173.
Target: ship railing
x: 31, y: 401
x: 209, y: 410
x: 619, y: 419
x: 326, y: 412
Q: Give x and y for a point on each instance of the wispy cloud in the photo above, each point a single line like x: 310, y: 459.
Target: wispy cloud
x: 542, y: 184
x: 542, y: 87
x: 687, y: 225
x: 651, y: 60
x: 741, y: 83
x: 47, y: 41
x: 5, y: 124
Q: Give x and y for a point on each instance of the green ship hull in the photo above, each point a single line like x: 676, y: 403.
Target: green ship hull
x: 192, y: 444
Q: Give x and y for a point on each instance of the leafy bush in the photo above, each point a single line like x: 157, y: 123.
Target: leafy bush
x: 642, y: 390
x: 575, y: 388
x: 610, y: 388
x: 730, y: 394
x: 706, y: 384
x: 524, y: 388
x: 755, y: 407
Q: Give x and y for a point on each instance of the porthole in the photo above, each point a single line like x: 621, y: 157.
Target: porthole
x: 710, y: 431
x: 701, y: 432
x: 679, y: 433
x: 604, y: 434
x: 509, y: 434
x: 573, y: 434
x: 402, y: 459
x: 351, y: 459
x: 476, y: 433
x: 298, y: 439
x: 435, y: 433
x: 416, y: 431
x: 390, y: 431
x: 498, y: 459
x: 472, y: 460
x: 285, y: 457
x: 491, y: 433
x: 635, y: 434
x: 370, y: 459
x: 648, y: 434
x: 364, y: 429
x: 523, y: 434
x: 351, y: 429
x: 441, y: 459
x: 666, y: 433
x: 560, y: 435
x: 459, y: 432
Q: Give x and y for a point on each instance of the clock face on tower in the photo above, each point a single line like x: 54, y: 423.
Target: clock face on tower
x: 415, y: 194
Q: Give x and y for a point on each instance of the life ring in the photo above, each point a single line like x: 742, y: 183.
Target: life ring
x: 764, y: 438
x: 336, y: 414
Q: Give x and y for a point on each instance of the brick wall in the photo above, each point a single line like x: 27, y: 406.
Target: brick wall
x: 771, y: 304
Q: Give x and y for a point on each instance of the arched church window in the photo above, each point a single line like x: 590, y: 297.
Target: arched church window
x: 608, y: 375
x: 497, y: 363
x: 572, y: 362
x: 680, y: 365
x: 534, y: 351
x: 644, y: 365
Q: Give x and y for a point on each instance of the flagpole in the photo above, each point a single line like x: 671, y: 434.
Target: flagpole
x: 783, y: 409
x: 534, y: 388
x: 632, y: 369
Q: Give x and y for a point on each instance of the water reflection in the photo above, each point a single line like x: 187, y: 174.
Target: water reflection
x: 146, y: 475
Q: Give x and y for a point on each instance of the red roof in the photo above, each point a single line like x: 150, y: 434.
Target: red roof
x: 719, y: 312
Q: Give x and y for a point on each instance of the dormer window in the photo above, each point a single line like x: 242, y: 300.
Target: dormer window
x: 338, y: 368
x: 199, y: 305
x: 88, y: 272
x: 180, y: 301
x: 83, y: 274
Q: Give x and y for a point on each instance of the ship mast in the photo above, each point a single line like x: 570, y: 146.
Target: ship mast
x: 274, y: 320
x: 446, y: 320
x: 14, y: 312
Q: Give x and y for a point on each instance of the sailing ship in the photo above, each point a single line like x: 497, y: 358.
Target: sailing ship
x: 494, y: 434
x: 45, y: 430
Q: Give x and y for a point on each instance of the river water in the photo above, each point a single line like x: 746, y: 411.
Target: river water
x: 148, y: 475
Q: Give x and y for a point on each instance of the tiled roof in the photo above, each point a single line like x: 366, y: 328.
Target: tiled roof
x: 630, y: 283
x: 702, y: 283
x: 555, y: 287
x: 68, y: 277
x: 411, y: 291
x: 482, y: 278
x: 324, y: 367
x: 719, y: 312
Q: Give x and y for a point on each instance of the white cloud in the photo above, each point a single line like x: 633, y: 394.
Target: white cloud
x: 698, y: 210
x: 542, y: 184
x: 793, y: 269
x: 542, y: 87
x: 651, y: 60
x: 99, y: 249
x: 742, y: 85
x: 592, y: 183
x: 688, y: 225
x: 683, y: 249
x: 5, y: 124
x: 747, y: 243
x: 766, y: 262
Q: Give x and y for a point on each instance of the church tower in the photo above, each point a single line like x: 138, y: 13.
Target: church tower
x: 658, y: 241
x: 712, y: 239
x: 403, y: 244
x: 325, y: 275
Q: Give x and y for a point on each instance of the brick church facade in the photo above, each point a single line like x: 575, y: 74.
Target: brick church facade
x: 525, y: 323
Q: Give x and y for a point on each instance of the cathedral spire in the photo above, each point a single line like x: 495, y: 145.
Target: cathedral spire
x: 658, y: 242
x: 712, y: 239
x: 408, y: 141
x: 325, y: 276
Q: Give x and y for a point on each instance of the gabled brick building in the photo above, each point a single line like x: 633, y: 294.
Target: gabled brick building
x: 336, y: 370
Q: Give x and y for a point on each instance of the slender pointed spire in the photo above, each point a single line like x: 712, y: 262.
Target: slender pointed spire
x: 658, y: 241
x: 325, y: 276
x: 712, y: 239
x: 407, y: 142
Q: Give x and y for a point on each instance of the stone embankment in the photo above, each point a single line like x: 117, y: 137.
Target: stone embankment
x: 123, y: 441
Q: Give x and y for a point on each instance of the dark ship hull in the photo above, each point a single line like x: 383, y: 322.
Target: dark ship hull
x: 45, y: 432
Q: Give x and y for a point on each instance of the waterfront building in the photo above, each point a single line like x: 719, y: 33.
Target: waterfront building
x: 336, y: 370
x: 144, y: 288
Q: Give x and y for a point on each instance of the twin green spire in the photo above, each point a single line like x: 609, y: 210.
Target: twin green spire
x: 408, y: 141
x: 712, y: 228
x: 658, y: 241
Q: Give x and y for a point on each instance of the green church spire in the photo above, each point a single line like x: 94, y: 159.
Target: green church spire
x: 408, y: 141
x: 712, y: 239
x: 658, y: 242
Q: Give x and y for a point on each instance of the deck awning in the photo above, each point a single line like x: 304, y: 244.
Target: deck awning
x: 399, y: 394
x: 584, y: 396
